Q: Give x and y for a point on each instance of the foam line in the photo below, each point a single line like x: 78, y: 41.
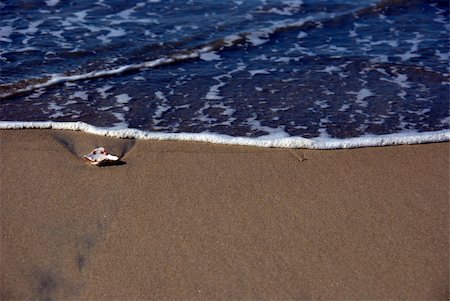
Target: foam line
x: 57, y: 79
x: 264, y: 141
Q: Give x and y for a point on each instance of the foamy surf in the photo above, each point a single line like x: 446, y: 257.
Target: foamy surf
x: 267, y: 72
x: 205, y: 52
x: 277, y: 140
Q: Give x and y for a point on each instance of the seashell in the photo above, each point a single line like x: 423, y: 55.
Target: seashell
x: 100, y: 156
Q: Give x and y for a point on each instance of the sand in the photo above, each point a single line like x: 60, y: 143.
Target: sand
x: 196, y: 221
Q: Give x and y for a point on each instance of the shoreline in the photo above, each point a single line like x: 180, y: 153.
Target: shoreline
x: 274, y: 140
x: 201, y: 221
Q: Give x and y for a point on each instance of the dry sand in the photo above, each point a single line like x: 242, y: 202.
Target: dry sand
x: 207, y: 222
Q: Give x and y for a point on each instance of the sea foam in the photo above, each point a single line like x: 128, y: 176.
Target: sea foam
x: 279, y: 140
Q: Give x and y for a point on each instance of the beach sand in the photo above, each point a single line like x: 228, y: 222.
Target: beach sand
x: 198, y: 221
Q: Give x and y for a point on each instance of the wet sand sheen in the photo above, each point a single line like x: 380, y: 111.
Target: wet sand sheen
x: 202, y: 221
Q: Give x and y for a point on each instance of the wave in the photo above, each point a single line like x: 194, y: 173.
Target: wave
x: 253, y: 38
x: 274, y: 140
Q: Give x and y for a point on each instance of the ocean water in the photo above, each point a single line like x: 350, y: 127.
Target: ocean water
x: 285, y: 73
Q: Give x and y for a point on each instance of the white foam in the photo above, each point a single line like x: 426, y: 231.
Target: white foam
x: 275, y: 140
x: 32, y: 28
x: 361, y: 95
x: 302, y: 35
x: 330, y: 69
x: 210, y: 56
x: 407, y: 56
x: 344, y: 108
x: 160, y: 95
x: 442, y: 55
x: 57, y: 109
x: 230, y: 40
x: 446, y: 121
x: 302, y: 50
x: 5, y: 32
x: 291, y: 7
x: 79, y: 94
x: 322, y: 104
x: 334, y: 48
x: 415, y: 46
x: 57, y: 34
x: 259, y: 71
x: 36, y: 94
x: 80, y: 16
x: 113, y: 33
x: 162, y: 107
x: 440, y: 13
x: 214, y: 92
x: 227, y: 111
x: 401, y: 80
x: 126, y: 14
x: 51, y: 2
x: 25, y: 49
x: 103, y: 90
x: 392, y: 43
x: 123, y: 98
x: 121, y: 124
x: 258, y: 37
x: 283, y: 12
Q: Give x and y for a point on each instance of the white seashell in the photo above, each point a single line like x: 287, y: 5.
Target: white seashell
x: 100, y: 156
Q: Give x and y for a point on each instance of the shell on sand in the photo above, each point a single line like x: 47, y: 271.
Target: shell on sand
x: 100, y: 156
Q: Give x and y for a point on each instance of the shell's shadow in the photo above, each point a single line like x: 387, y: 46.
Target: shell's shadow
x: 111, y: 163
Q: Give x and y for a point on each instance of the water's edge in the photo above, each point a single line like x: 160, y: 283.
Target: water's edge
x: 264, y: 141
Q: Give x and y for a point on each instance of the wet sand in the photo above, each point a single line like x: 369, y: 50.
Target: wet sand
x: 200, y: 221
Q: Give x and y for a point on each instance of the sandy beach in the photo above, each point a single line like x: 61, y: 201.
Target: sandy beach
x: 197, y: 221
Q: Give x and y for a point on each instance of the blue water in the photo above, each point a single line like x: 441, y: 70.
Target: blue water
x: 337, y: 69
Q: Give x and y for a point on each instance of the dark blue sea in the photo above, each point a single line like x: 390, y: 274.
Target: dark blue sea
x: 250, y: 68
